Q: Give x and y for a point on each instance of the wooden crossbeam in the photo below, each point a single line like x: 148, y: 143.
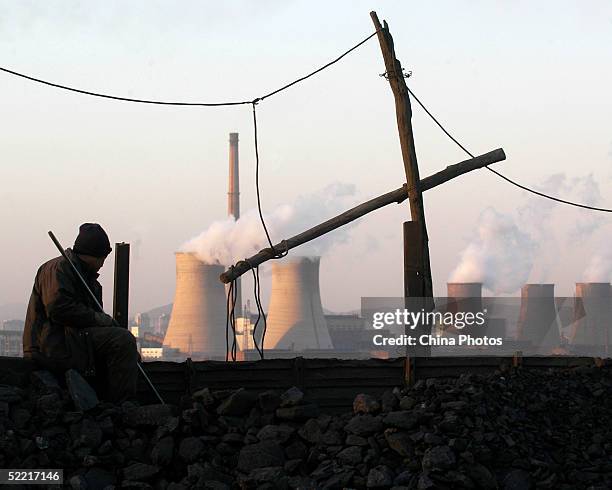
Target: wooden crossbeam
x: 396, y: 196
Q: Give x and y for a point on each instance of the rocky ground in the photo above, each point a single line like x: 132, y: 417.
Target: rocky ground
x: 514, y: 430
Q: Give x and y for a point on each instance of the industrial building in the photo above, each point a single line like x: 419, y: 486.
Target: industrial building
x: 198, y: 313
x: 11, y: 338
x: 295, y: 316
x: 297, y: 326
x: 591, y: 330
x: 538, y: 318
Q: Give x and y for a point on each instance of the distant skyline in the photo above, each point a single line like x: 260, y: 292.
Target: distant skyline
x: 532, y: 78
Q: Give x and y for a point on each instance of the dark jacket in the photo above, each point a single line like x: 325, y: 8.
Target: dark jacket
x: 59, y: 310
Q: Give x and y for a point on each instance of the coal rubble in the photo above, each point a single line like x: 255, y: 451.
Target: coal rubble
x: 514, y: 430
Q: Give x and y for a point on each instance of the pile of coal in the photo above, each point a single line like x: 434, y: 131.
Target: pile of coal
x: 515, y: 430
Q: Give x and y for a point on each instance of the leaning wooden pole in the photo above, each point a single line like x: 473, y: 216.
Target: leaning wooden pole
x: 418, y: 282
x: 243, y: 266
x: 396, y: 196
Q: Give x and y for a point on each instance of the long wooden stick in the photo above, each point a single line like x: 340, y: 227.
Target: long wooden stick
x: 461, y: 168
x: 97, y: 303
x: 396, y: 196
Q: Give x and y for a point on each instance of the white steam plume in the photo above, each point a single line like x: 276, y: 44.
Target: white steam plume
x: 500, y: 256
x: 227, y: 241
x: 545, y: 226
x: 586, y: 190
x: 599, y: 268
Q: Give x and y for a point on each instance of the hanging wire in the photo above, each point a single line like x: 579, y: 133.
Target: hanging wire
x: 263, y: 314
x: 260, y: 311
x: 230, y: 322
x: 261, y: 218
x: 122, y: 99
x: 319, y: 69
x: 255, y: 295
x: 277, y: 255
x: 507, y: 179
x: 233, y: 318
x: 179, y: 103
x: 232, y: 290
x: 227, y: 320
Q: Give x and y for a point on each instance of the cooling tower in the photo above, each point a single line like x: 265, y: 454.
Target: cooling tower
x: 465, y: 297
x: 465, y: 290
x: 295, y: 316
x: 592, y: 310
x: 198, y: 319
x: 538, y: 317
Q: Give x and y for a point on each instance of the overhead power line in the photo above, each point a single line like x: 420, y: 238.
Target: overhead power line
x: 231, y: 298
x: 507, y: 179
x: 180, y: 103
x: 319, y: 69
x: 123, y: 99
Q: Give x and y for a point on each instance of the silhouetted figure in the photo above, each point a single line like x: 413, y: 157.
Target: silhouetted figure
x: 64, y: 328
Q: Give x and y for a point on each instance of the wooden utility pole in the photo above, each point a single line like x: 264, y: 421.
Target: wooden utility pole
x: 418, y: 285
x: 121, y: 292
x: 417, y: 270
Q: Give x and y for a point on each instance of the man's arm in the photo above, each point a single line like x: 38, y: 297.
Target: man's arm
x: 63, y: 303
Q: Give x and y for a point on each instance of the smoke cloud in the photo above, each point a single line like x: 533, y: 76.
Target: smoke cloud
x: 500, y: 256
x: 227, y: 241
x: 536, y: 214
x: 587, y: 192
x: 504, y: 256
x: 599, y: 268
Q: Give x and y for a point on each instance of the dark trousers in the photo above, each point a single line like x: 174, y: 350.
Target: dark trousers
x: 116, y: 359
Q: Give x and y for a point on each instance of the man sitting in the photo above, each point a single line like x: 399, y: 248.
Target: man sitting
x: 64, y: 328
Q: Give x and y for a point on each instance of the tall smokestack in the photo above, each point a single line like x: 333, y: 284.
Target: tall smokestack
x: 295, y: 318
x: 233, y: 202
x: 198, y: 319
x: 592, y: 324
x: 233, y: 195
x: 538, y: 318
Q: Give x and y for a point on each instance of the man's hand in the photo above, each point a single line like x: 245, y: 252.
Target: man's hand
x: 104, y: 320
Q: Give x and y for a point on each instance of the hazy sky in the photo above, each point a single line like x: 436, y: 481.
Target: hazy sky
x: 531, y: 77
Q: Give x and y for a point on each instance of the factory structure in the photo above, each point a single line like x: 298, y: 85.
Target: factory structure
x: 198, y: 312
x: 537, y: 323
x: 295, y: 319
x: 295, y: 315
x: 233, y: 204
x: 11, y: 338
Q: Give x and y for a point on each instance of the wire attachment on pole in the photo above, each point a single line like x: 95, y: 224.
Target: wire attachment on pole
x: 404, y: 74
